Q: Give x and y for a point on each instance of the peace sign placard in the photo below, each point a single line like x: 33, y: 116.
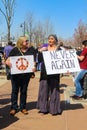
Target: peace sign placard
x: 22, y: 64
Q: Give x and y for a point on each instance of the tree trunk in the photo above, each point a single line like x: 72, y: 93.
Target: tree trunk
x: 8, y: 33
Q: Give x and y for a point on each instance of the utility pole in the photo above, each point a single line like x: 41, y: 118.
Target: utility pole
x: 23, y: 26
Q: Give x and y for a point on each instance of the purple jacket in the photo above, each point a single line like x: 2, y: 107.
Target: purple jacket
x: 7, y: 50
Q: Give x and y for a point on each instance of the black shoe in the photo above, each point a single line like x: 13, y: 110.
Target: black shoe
x: 73, y: 96
x: 84, y: 96
x: 43, y: 112
x: 56, y: 114
x: 59, y: 113
x: 76, y: 97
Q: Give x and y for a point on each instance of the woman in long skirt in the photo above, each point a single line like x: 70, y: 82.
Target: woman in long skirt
x: 49, y: 94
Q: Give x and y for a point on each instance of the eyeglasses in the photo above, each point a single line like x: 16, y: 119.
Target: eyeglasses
x: 26, y: 41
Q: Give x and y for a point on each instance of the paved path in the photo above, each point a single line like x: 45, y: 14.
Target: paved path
x: 74, y: 116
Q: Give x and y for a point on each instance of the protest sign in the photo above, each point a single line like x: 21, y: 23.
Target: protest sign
x: 61, y: 61
x: 22, y: 64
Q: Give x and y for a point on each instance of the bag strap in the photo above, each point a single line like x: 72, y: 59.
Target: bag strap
x: 21, y: 52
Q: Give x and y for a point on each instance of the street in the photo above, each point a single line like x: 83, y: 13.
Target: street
x: 74, y: 115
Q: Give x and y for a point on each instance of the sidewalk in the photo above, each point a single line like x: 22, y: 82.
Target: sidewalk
x: 74, y: 115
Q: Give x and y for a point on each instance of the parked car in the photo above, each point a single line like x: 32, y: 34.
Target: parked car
x: 0, y: 62
x: 1, y: 49
x: 1, y: 55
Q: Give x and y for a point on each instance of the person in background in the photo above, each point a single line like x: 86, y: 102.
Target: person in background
x: 37, y: 61
x: 20, y: 81
x: 49, y: 94
x: 78, y: 50
x: 83, y: 65
x: 61, y: 45
x: 7, y: 50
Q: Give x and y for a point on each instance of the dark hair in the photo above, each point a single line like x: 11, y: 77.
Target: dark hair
x: 55, y: 37
x: 10, y: 43
x: 61, y: 43
x: 84, y: 43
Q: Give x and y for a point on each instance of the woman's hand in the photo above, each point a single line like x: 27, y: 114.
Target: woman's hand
x: 34, y: 69
x: 42, y: 49
x: 7, y: 62
x: 68, y: 72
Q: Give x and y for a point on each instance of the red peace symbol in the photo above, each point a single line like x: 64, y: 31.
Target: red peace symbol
x: 22, y: 63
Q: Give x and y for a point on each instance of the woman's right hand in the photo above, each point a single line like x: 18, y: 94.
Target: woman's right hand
x: 7, y: 62
x: 42, y: 49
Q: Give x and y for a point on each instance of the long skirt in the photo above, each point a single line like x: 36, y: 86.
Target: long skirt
x: 49, y: 96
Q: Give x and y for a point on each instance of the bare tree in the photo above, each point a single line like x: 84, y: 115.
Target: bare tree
x: 8, y: 13
x: 42, y: 30
x: 38, y: 32
x: 29, y: 25
x: 80, y: 33
x: 48, y: 28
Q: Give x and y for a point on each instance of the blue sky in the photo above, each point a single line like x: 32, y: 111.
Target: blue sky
x: 63, y: 14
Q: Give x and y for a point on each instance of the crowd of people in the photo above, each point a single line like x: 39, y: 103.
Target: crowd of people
x: 48, y: 100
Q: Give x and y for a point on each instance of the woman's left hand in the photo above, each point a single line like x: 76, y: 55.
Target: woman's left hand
x: 34, y: 69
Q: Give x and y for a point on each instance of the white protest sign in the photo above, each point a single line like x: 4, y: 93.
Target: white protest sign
x: 22, y: 64
x: 61, y: 61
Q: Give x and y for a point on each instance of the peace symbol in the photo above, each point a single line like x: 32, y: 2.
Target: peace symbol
x: 22, y: 63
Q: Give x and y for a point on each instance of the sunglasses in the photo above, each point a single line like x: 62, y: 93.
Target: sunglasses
x: 27, y: 41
